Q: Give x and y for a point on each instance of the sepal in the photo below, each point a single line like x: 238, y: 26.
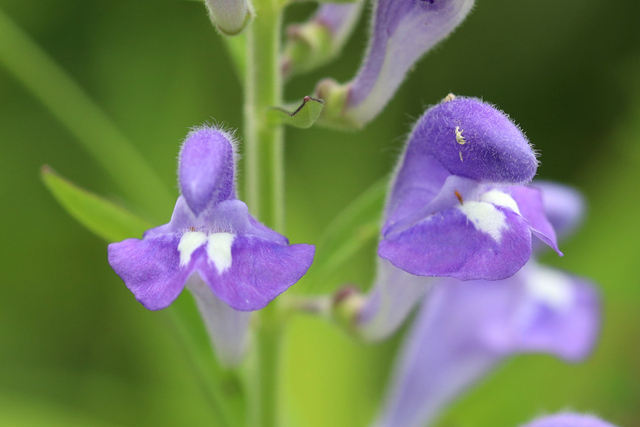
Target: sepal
x: 302, y: 116
x: 314, y: 43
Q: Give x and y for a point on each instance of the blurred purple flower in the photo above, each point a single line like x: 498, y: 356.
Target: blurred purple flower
x: 466, y: 328
x: 569, y: 420
x: 231, y: 262
x: 402, y: 31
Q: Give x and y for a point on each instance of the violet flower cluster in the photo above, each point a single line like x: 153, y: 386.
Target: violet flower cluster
x: 460, y: 231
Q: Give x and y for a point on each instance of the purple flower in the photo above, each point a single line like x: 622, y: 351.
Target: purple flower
x: 402, y: 31
x: 231, y: 262
x: 569, y: 420
x: 457, y: 207
x: 466, y: 328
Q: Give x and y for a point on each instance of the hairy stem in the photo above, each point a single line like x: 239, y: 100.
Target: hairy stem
x: 264, y: 191
x: 264, y: 168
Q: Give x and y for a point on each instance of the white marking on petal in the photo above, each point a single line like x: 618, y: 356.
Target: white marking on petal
x: 485, y: 217
x: 219, y: 250
x: 498, y: 198
x: 189, y: 242
x: 459, y: 136
x: 551, y: 288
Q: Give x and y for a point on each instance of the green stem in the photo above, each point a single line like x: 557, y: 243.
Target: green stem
x: 264, y: 192
x: 264, y: 169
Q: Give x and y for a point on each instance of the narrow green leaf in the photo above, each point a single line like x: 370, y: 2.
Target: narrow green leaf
x: 75, y: 110
x: 357, y: 225
x: 106, y: 219
x: 304, y: 116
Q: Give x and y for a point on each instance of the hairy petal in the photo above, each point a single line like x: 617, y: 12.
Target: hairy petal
x: 206, y: 169
x: 483, y: 241
x: 255, y: 271
x: 151, y: 269
x: 473, y: 139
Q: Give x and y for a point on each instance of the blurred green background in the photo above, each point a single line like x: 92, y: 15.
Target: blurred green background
x: 76, y: 349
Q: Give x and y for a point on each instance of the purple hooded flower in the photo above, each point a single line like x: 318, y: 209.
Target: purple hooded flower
x: 231, y: 262
x: 466, y: 328
x: 457, y: 207
x: 569, y: 420
x: 402, y: 31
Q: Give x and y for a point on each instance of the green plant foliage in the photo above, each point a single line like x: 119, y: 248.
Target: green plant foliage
x: 106, y: 219
x: 357, y: 225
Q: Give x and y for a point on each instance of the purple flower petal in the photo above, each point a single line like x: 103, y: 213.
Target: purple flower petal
x: 531, y: 207
x: 563, y: 205
x: 150, y: 268
x: 228, y: 328
x: 394, y: 295
x: 402, y: 31
x: 475, y: 240
x: 466, y: 328
x: 559, y: 314
x: 206, y: 169
x: 569, y: 420
x: 247, y: 272
x: 472, y: 139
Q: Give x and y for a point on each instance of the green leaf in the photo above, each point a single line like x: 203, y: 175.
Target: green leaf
x: 69, y: 103
x: 357, y: 225
x: 303, y: 116
x: 106, y: 219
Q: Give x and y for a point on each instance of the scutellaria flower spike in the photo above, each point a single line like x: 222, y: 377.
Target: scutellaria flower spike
x: 402, y: 31
x: 230, y: 17
x: 464, y: 329
x: 232, y: 263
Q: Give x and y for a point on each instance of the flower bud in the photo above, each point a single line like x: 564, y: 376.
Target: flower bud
x: 230, y: 16
x: 316, y: 42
